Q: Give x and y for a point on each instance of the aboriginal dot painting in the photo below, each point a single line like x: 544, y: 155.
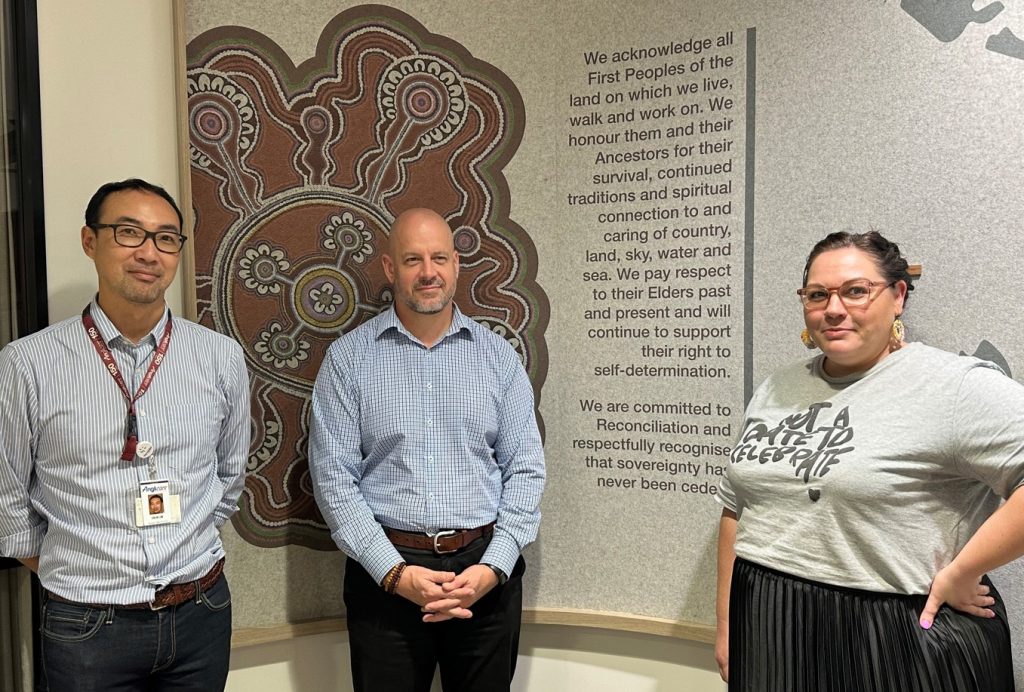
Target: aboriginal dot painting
x: 297, y: 173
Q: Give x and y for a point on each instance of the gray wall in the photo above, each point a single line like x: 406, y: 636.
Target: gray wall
x: 864, y: 115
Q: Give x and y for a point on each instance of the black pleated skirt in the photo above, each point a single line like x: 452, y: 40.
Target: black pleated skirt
x: 788, y: 634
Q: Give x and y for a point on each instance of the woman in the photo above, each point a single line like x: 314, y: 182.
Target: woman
x: 862, y: 501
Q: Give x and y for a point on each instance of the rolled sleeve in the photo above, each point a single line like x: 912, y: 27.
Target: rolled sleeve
x: 24, y: 543
x: 233, y: 445
x: 21, y: 528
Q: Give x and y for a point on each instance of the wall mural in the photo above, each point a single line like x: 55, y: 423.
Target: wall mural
x: 986, y: 351
x: 947, y: 20
x: 297, y: 173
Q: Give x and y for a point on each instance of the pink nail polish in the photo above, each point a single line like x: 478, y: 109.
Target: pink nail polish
x: 926, y: 624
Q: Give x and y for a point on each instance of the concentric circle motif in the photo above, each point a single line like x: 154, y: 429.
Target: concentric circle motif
x: 349, y: 237
x: 283, y: 346
x: 422, y: 102
x: 467, y: 240
x: 211, y: 122
x: 315, y: 121
x: 428, y: 91
x: 324, y: 298
x: 264, y: 269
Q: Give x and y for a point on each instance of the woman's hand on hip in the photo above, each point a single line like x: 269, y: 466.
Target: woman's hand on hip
x: 963, y: 592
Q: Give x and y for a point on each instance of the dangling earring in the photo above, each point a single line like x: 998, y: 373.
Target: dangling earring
x: 896, y: 335
x: 805, y: 336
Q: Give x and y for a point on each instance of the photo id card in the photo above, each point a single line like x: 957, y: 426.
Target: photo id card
x: 156, y: 505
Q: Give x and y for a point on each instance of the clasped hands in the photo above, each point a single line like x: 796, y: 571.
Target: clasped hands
x: 446, y: 595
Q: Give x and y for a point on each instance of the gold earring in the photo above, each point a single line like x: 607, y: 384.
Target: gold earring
x: 897, y: 334
x: 805, y: 336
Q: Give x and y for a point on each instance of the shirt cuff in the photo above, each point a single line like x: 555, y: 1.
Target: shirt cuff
x: 379, y: 557
x: 503, y: 552
x: 24, y: 543
x: 223, y: 513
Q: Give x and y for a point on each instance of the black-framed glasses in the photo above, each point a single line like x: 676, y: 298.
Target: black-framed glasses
x: 127, y: 235
x: 855, y: 293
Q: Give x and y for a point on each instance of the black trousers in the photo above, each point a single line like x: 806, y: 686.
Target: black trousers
x: 393, y: 650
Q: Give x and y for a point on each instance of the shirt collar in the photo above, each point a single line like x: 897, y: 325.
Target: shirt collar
x: 109, y: 332
x: 389, y: 321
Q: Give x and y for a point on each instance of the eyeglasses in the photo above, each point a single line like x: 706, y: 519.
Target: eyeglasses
x: 127, y: 235
x: 854, y: 293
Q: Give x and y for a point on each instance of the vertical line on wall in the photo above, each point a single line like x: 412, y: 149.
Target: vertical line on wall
x: 28, y: 229
x: 188, y: 256
x: 748, y: 220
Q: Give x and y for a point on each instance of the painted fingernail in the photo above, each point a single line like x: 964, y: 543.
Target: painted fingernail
x: 926, y: 624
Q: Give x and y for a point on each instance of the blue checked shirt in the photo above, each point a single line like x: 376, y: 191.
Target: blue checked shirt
x: 425, y: 439
x: 65, y: 494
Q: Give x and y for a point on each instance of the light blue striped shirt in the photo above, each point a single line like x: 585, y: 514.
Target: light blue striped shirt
x: 65, y: 494
x: 425, y: 439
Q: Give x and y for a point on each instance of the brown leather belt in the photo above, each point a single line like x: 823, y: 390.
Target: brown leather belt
x: 170, y: 595
x: 442, y: 542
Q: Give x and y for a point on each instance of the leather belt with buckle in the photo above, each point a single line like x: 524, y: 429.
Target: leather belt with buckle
x: 442, y: 542
x: 170, y: 595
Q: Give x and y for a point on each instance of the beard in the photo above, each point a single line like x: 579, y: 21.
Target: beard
x: 427, y: 306
x: 136, y: 292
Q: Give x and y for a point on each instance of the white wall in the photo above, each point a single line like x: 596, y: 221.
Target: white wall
x: 108, y: 113
x: 106, y: 73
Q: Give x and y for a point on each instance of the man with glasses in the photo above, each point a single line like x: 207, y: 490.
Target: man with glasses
x: 104, y: 412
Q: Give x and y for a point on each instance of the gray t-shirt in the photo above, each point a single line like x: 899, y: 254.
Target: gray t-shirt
x: 874, y: 481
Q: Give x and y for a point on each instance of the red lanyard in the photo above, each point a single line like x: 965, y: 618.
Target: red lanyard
x: 132, y: 435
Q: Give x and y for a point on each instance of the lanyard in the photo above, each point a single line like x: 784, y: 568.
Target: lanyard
x: 132, y: 434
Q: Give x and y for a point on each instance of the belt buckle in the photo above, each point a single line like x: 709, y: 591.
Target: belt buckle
x: 167, y: 591
x: 443, y: 534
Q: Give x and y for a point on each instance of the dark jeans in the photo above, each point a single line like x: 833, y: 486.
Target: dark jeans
x: 108, y: 649
x: 393, y: 650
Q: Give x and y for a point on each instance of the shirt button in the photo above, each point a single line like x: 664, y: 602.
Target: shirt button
x: 152, y: 540
x: 431, y: 496
x: 428, y: 421
x: 430, y: 458
x: 429, y: 385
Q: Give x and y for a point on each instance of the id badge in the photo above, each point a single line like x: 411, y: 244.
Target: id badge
x: 156, y: 505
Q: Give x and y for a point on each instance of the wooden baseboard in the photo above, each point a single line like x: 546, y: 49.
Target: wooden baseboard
x: 623, y: 622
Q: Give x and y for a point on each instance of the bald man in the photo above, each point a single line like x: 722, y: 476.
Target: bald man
x: 427, y: 465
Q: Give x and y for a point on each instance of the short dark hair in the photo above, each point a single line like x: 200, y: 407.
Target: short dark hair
x: 885, y: 253
x: 92, y: 210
